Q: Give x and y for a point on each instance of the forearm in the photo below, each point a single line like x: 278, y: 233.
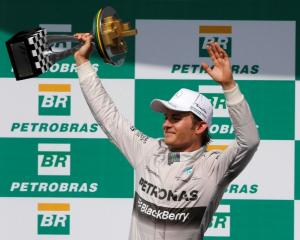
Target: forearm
x: 233, y: 95
x: 238, y: 154
x: 96, y: 97
x: 80, y: 60
x: 242, y: 119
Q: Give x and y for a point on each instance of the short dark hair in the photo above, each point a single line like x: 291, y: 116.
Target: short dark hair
x: 205, y: 138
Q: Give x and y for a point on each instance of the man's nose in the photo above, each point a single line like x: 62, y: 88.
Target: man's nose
x: 167, y: 123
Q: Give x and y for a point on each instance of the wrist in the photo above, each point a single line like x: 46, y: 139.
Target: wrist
x: 85, y: 70
x: 228, y: 85
x: 80, y: 60
x: 233, y: 96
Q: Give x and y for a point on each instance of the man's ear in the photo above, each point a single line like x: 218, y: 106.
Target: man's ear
x: 200, y: 127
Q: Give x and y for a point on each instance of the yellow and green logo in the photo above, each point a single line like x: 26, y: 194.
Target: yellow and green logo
x: 219, y: 34
x: 54, y: 100
x: 53, y: 219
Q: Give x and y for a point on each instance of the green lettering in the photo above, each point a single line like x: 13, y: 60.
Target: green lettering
x: 24, y: 127
x: 175, y: 67
x: 244, y: 189
x: 220, y: 220
x: 254, y: 188
x: 254, y: 69
x: 15, y: 126
x: 235, y: 68
x: 83, y: 128
x: 245, y: 69
x: 185, y: 68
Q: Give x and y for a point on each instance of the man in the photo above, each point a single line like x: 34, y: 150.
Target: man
x: 178, y: 184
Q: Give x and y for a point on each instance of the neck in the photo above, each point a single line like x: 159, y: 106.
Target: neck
x: 190, y: 148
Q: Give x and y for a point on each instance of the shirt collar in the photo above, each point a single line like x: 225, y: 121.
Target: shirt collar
x: 185, y: 156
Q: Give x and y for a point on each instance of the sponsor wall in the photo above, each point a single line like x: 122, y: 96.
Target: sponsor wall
x: 61, y: 178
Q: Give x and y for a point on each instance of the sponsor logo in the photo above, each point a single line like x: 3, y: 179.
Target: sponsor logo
x: 54, y: 99
x: 141, y: 136
x: 222, y: 125
x: 197, y: 69
x: 220, y: 223
x: 221, y: 121
x: 188, y: 170
x: 217, y: 99
x: 173, y: 157
x: 159, y: 214
x: 42, y: 127
x: 169, y: 195
x: 242, y: 188
x: 188, y: 217
x: 219, y: 34
x: 54, y: 159
x: 53, y: 187
x: 53, y: 219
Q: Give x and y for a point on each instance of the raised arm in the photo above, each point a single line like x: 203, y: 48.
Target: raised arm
x: 235, y: 158
x: 129, y: 140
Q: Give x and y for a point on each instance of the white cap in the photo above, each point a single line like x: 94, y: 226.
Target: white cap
x: 186, y: 100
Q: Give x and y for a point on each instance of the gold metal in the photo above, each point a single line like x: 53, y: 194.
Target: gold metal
x: 113, y: 32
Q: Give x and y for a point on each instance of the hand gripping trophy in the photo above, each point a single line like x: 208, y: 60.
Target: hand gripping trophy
x: 31, y: 55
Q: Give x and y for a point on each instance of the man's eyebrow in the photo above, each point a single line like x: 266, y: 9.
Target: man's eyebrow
x: 178, y: 114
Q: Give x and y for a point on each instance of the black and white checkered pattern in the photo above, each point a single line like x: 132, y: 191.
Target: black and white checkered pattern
x: 38, y: 44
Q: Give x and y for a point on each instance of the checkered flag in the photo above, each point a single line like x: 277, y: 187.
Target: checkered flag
x: 29, y: 53
x: 38, y: 44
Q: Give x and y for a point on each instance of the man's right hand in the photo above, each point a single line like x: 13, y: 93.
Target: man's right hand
x: 82, y: 55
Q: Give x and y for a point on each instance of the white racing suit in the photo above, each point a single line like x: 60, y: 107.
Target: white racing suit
x: 176, y: 193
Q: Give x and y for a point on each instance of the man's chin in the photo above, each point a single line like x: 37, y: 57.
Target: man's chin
x: 168, y: 141
x: 171, y: 147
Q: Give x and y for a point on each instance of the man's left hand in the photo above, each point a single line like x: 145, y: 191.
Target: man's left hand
x: 221, y: 72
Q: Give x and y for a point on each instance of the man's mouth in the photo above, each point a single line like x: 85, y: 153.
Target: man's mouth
x: 169, y: 133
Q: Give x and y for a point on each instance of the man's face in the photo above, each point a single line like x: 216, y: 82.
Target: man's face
x: 181, y: 134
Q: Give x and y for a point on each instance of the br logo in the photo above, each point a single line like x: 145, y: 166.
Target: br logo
x: 219, y: 34
x: 220, y: 223
x: 54, y: 99
x: 54, y: 159
x: 221, y: 122
x: 217, y: 99
x: 53, y: 219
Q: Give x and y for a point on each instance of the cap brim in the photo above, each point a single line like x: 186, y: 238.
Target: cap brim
x: 163, y: 106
